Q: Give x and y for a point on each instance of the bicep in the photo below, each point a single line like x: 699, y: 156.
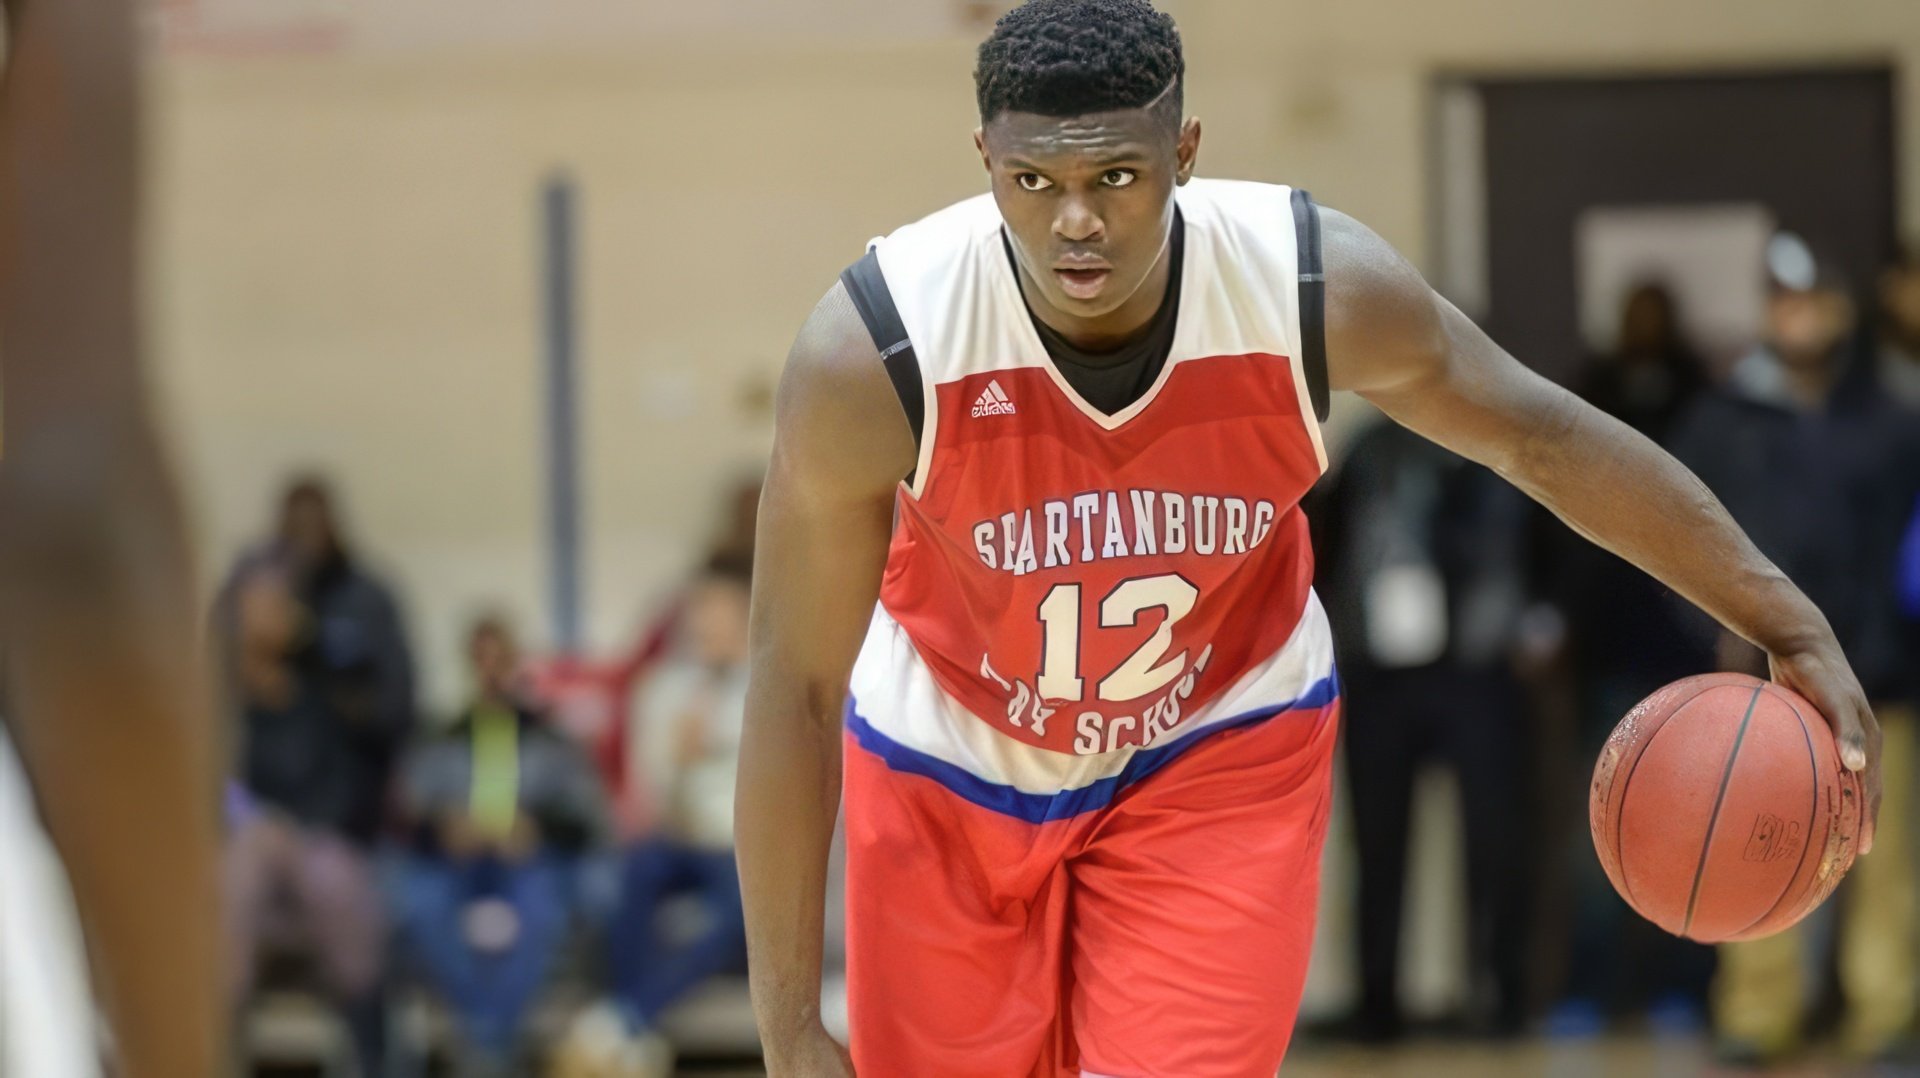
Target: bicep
x: 816, y: 575
x: 1477, y: 400
x: 841, y: 446
x: 1395, y: 341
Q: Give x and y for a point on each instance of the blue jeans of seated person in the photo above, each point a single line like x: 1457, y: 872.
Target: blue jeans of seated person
x: 650, y: 971
x: 490, y: 992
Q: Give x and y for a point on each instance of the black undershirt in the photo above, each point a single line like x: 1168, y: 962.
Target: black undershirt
x: 1114, y: 379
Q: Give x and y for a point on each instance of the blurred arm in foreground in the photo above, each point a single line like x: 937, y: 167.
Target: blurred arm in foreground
x: 97, y: 619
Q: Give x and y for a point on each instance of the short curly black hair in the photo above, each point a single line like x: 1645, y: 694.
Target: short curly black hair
x: 1072, y: 57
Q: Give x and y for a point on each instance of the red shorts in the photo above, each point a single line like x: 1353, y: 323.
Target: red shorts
x: 1163, y: 935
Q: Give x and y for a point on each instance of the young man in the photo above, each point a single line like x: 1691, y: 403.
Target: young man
x: 96, y: 607
x: 1087, y: 750
x: 502, y: 807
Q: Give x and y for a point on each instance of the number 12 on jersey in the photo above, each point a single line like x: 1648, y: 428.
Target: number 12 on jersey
x: 1141, y: 673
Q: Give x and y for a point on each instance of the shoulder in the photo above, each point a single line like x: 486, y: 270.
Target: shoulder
x: 363, y: 590
x: 1384, y: 323
x: 1247, y: 216
x: 950, y: 226
x: 837, y: 416
x: 833, y: 375
x: 1366, y: 276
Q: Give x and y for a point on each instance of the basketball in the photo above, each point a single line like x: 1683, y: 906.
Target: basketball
x: 1720, y: 810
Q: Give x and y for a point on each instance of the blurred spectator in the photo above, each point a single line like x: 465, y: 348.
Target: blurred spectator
x: 1652, y: 372
x: 1900, y: 373
x: 1625, y: 640
x: 1812, y: 456
x: 1899, y: 370
x: 568, y: 677
x: 299, y: 873
x: 1424, y: 568
x: 353, y: 641
x: 499, y: 807
x: 687, y: 751
x: 1900, y: 328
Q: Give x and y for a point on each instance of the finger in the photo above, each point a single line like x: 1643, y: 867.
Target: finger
x: 1849, y: 732
x: 1849, y: 739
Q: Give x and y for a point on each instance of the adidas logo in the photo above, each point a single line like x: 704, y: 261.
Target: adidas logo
x: 993, y: 402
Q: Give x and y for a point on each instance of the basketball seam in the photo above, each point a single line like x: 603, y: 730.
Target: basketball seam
x: 1713, y: 821
x: 1624, y: 782
x: 1813, y: 812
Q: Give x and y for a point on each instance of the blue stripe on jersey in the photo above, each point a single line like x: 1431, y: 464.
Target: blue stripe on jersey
x: 1041, y: 808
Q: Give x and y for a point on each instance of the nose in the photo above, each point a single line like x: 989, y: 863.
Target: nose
x: 1079, y: 221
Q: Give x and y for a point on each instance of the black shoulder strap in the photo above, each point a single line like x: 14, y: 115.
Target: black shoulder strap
x: 871, y: 297
x: 1313, y: 300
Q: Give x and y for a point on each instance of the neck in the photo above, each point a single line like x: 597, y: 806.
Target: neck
x: 493, y: 699
x: 1905, y: 340
x: 1117, y: 328
x: 1809, y: 384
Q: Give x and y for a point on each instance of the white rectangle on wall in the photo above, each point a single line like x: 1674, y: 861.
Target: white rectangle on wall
x: 1708, y: 255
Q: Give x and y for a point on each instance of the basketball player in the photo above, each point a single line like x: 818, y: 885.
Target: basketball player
x: 96, y: 620
x: 1059, y: 434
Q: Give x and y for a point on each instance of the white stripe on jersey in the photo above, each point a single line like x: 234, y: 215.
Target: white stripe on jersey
x: 46, y: 1008
x: 895, y: 693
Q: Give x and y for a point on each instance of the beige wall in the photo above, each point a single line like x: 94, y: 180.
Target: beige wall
x: 347, y: 244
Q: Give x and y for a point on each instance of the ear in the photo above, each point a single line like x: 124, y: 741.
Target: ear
x: 980, y: 144
x: 1188, y: 148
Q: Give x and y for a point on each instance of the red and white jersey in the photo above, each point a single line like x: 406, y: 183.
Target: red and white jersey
x: 1071, y: 598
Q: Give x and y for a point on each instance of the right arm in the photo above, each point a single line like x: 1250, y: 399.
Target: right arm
x: 96, y: 601
x: 841, y: 447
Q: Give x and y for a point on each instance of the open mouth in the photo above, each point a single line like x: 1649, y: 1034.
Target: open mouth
x: 1083, y: 283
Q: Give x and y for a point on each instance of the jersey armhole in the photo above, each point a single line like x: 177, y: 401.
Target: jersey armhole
x: 867, y: 287
x: 1313, y: 301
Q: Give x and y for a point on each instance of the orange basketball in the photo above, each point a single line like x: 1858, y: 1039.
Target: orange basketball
x: 1720, y: 810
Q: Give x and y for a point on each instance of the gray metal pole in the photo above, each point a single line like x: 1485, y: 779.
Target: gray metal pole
x: 562, y: 420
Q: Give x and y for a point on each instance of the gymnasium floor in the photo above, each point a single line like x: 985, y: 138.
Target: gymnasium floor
x: 1620, y: 1058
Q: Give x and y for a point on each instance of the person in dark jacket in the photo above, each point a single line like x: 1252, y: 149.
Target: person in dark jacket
x: 1652, y: 373
x: 1424, y: 569
x: 500, y: 806
x: 299, y: 875
x: 1816, y: 460
x: 1899, y: 327
x: 319, y: 680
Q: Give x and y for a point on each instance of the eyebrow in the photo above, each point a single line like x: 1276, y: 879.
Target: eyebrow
x: 1108, y: 159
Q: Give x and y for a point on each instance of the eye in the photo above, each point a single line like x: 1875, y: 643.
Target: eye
x: 1119, y: 177
x: 1032, y: 181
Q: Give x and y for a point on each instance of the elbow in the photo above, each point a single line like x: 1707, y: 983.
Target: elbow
x: 72, y: 529
x: 55, y: 531
x: 789, y: 703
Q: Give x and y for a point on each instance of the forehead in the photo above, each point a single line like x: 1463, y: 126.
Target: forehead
x: 1093, y: 138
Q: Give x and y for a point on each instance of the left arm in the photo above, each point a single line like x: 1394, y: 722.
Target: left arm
x: 1399, y: 344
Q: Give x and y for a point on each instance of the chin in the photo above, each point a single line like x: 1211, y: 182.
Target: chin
x: 1099, y: 306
